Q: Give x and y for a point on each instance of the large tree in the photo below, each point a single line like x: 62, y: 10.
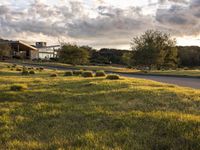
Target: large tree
x: 152, y: 48
x: 73, y: 54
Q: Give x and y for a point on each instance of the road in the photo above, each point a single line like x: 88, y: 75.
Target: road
x: 180, y: 81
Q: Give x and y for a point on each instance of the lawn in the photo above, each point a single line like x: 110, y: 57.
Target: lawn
x: 119, y: 69
x: 96, y: 113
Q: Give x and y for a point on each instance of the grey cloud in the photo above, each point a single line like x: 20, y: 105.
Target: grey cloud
x: 181, y: 19
x: 112, y: 23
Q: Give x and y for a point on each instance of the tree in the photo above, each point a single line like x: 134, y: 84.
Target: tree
x: 127, y: 58
x: 151, y: 48
x: 5, y: 50
x: 73, y: 54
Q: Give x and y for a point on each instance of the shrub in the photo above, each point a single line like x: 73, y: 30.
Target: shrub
x: 14, y: 65
x: 113, y: 77
x: 31, y: 72
x: 68, y: 73
x: 25, y: 72
x: 53, y: 75
x: 18, y: 87
x: 77, y: 72
x: 87, y: 74
x: 41, y: 68
x: 18, y: 69
x: 100, y: 74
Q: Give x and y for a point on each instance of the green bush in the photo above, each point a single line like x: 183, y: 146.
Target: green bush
x: 53, y: 75
x: 31, y: 72
x: 41, y: 68
x: 18, y: 87
x: 87, y: 74
x: 14, y: 65
x: 68, y: 73
x: 113, y: 77
x: 77, y: 72
x: 25, y: 72
x: 100, y: 74
x: 18, y: 69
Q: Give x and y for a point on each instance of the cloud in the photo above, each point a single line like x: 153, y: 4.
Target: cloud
x: 96, y: 22
x: 180, y: 19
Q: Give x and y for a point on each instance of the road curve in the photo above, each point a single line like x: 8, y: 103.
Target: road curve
x: 180, y: 81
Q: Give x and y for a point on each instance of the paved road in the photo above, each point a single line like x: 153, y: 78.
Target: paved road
x: 181, y: 81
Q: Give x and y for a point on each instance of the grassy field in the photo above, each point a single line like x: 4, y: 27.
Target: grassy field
x: 96, y: 113
x: 118, y: 69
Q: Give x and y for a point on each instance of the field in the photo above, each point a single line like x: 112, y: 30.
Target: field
x: 119, y: 69
x: 96, y: 113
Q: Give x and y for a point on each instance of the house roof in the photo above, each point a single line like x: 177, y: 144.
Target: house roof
x: 19, y: 42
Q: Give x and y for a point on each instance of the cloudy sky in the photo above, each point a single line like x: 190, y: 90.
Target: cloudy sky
x: 98, y: 23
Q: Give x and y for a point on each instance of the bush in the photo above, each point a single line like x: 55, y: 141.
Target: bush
x: 113, y: 77
x: 18, y: 87
x: 53, y: 75
x: 14, y: 65
x: 68, y: 73
x: 41, y: 68
x: 77, y: 72
x: 18, y: 69
x: 100, y: 74
x: 25, y: 72
x: 31, y: 72
x: 87, y: 74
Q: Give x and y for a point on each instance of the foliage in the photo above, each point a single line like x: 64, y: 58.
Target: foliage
x: 32, y: 72
x: 113, y: 77
x: 87, y: 74
x: 18, y: 87
x: 72, y: 54
x: 100, y: 74
x: 151, y: 48
x: 77, y: 72
x: 5, y: 50
x: 189, y: 55
x: 25, y: 72
x: 127, y: 58
x: 68, y: 73
x: 18, y: 69
x: 53, y: 75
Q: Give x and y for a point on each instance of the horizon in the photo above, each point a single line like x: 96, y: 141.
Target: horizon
x: 99, y: 23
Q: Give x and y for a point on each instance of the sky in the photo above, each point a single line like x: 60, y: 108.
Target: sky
x: 98, y: 23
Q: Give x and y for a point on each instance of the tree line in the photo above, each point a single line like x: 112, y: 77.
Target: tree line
x: 151, y: 49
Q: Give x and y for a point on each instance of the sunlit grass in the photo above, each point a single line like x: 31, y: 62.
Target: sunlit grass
x: 96, y: 113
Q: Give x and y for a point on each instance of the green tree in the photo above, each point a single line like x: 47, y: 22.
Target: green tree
x: 151, y: 48
x: 73, y: 54
x: 5, y: 50
x: 126, y: 57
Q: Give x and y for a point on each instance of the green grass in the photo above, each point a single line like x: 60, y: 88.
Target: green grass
x: 180, y: 72
x: 96, y: 113
x: 114, y: 69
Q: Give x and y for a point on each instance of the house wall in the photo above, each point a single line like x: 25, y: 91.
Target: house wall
x: 34, y: 54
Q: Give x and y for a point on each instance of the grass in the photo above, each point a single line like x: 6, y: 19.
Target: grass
x: 96, y: 113
x: 115, y: 69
